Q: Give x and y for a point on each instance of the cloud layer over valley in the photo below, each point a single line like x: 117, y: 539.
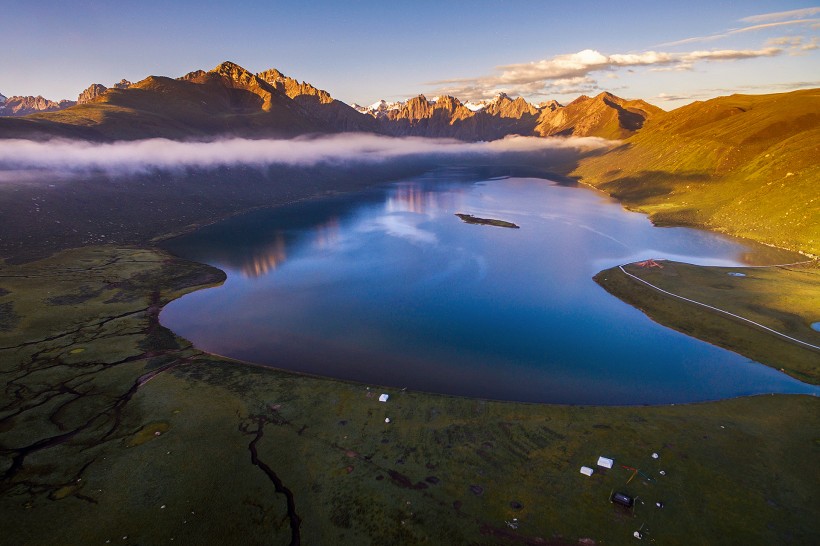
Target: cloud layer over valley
x: 127, y: 157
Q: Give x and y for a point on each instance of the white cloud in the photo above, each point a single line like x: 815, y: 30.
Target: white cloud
x: 810, y: 46
x: 811, y: 23
x: 158, y: 153
x: 571, y: 73
x: 729, y: 54
x: 781, y: 15
x: 785, y: 41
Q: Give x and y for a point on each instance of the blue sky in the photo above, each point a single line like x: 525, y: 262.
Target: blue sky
x: 668, y: 53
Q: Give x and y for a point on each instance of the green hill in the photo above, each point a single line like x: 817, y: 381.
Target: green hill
x: 744, y: 165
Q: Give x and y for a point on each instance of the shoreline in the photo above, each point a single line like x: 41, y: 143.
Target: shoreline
x: 713, y: 283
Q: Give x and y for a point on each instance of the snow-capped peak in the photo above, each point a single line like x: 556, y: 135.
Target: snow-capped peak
x: 379, y: 108
x: 475, y: 106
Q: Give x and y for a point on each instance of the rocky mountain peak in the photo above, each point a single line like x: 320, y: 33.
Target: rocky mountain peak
x: 582, y: 98
x: 503, y: 106
x: 234, y: 72
x: 92, y: 92
x: 272, y: 76
x: 123, y: 84
x: 551, y: 105
x: 447, y: 102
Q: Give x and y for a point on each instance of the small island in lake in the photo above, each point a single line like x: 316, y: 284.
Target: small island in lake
x: 470, y: 219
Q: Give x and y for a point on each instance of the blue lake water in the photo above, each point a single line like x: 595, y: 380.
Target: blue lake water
x: 389, y: 287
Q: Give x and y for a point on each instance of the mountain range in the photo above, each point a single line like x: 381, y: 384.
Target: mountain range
x: 22, y: 106
x: 232, y: 100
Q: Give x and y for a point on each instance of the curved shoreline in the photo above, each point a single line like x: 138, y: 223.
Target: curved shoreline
x: 713, y: 323
x: 713, y: 308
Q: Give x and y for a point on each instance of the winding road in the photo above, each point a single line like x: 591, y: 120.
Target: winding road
x: 713, y: 308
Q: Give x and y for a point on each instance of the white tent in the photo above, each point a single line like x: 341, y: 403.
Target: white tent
x: 586, y: 471
x: 384, y: 397
x: 604, y: 462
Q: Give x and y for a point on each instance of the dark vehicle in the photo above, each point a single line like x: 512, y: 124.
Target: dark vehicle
x: 622, y: 499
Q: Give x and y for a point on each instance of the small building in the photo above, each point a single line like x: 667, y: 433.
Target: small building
x: 604, y: 462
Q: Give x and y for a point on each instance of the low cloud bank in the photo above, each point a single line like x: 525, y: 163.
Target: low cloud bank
x: 145, y: 155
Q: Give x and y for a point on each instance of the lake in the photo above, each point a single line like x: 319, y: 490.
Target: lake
x: 388, y: 287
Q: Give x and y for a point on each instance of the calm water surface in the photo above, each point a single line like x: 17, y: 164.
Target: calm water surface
x: 389, y: 287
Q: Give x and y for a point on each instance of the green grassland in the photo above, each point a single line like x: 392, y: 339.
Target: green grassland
x: 785, y: 299
x: 112, y: 428
x: 744, y: 165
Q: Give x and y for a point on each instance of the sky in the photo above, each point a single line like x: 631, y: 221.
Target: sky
x: 669, y: 53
